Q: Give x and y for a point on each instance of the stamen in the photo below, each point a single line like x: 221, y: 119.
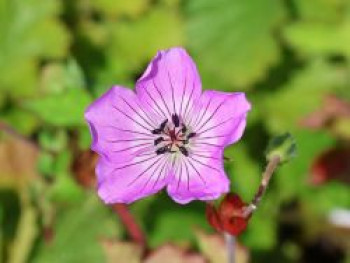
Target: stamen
x: 158, y: 140
x: 183, y: 150
x: 176, y: 139
x: 162, y: 150
x: 176, y: 120
x: 162, y: 126
x: 192, y: 134
x: 156, y: 131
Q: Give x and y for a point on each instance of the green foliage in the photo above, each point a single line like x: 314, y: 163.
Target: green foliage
x: 78, y: 232
x: 303, y: 94
x: 247, y: 49
x: 57, y: 55
x: 68, y: 98
x: 30, y: 32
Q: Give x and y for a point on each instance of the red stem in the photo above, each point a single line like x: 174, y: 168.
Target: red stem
x: 128, y: 220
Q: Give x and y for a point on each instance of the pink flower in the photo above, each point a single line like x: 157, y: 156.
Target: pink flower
x: 166, y: 134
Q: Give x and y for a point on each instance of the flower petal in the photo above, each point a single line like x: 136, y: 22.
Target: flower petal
x: 220, y: 119
x: 170, y: 84
x: 120, y: 128
x: 200, y: 176
x: 130, y: 181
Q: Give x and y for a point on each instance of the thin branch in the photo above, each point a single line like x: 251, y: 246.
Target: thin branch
x: 134, y: 230
x: 270, y: 168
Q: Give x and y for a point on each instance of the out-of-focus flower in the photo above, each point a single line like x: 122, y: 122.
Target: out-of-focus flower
x: 332, y: 164
x: 166, y: 134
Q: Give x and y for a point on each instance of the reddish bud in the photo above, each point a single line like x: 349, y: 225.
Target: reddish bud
x: 213, y: 217
x: 230, y: 216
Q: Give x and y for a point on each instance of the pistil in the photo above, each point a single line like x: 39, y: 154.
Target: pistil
x: 174, y: 134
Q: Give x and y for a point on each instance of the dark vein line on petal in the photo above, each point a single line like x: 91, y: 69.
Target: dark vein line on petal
x: 172, y: 92
x: 150, y: 177
x: 198, y: 173
x: 156, y: 104
x: 148, y: 168
x: 199, y: 119
x: 126, y: 115
x: 183, y: 94
x: 130, y: 140
x: 132, y: 147
x: 217, y: 125
x: 188, y: 101
x: 211, y: 137
x: 160, y: 173
x: 131, y: 131
x: 142, y: 117
x: 161, y: 96
x: 188, y: 176
x: 204, y: 156
x: 204, y: 164
x: 179, y: 177
x: 207, y: 143
x: 148, y: 116
x: 132, y: 164
x: 214, y: 112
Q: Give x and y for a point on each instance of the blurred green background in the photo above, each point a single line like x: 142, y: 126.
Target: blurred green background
x: 291, y: 57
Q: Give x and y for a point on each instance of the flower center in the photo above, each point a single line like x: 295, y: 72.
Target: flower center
x: 173, y: 137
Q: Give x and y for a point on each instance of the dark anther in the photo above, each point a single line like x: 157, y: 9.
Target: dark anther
x: 184, y: 129
x: 192, y: 134
x: 183, y: 150
x: 162, y: 150
x: 158, y: 140
x: 176, y: 120
x: 156, y: 131
x: 162, y: 126
x: 186, y: 141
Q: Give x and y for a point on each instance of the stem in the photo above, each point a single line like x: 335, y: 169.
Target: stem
x: 270, y: 168
x: 231, y: 247
x: 128, y: 220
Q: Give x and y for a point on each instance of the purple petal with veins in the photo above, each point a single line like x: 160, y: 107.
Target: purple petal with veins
x: 166, y: 134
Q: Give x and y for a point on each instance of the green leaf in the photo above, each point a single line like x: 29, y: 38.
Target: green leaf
x: 291, y: 178
x: 112, y: 8
x: 65, y: 109
x: 134, y: 43
x: 234, y: 39
x: 322, y: 30
x: 322, y: 10
x: 30, y: 31
x: 301, y: 96
x: 176, y: 226
x: 22, y: 121
x: 321, y: 200
x: 77, y: 234
x: 312, y: 38
x: 243, y: 170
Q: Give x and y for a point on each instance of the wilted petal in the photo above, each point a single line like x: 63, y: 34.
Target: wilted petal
x: 130, y: 181
x: 119, y: 127
x: 219, y: 119
x: 200, y: 176
x: 170, y: 84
